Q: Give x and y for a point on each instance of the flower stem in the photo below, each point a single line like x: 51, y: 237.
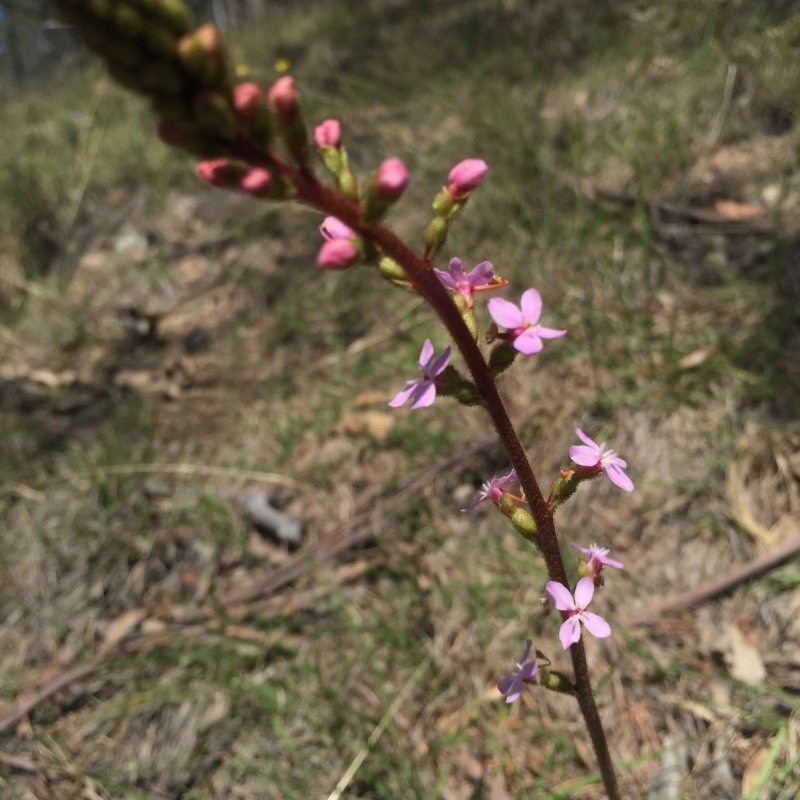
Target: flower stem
x: 311, y: 192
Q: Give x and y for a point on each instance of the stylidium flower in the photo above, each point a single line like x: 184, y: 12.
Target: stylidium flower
x: 492, y: 490
x: 511, y: 686
x: 466, y: 283
x: 522, y: 321
x: 328, y: 133
x: 597, y: 558
x: 560, y: 597
x: 422, y: 391
x: 333, y: 228
x: 591, y: 454
x: 465, y: 177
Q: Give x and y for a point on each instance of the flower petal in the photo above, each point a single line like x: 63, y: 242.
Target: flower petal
x: 569, y: 632
x: 584, y: 455
x: 528, y: 342
x: 619, y: 478
x: 425, y: 354
x: 531, y: 306
x: 586, y: 440
x: 446, y: 279
x: 439, y: 365
x: 504, y: 312
x: 596, y: 625
x: 480, y: 275
x: 424, y: 395
x: 403, y: 396
x: 584, y: 592
x: 550, y: 333
x: 559, y: 596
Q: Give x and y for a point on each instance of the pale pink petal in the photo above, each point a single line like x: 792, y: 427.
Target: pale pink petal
x: 569, y: 632
x: 559, y: 596
x: 584, y: 592
x: 504, y: 313
x: 584, y: 455
x: 446, y: 279
x: 425, y: 354
x: 596, y: 625
x: 439, y: 365
x: 403, y: 396
x: 480, y: 275
x: 531, y: 305
x: 586, y: 440
x: 528, y: 342
x: 619, y: 478
x: 424, y: 395
x: 549, y: 333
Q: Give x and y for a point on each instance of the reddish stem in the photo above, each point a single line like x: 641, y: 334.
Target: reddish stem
x: 311, y: 192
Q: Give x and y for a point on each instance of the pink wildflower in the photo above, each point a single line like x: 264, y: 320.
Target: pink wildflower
x: 560, y: 597
x: 598, y: 558
x: 526, y: 672
x: 466, y: 283
x: 522, y: 321
x: 493, y: 490
x: 591, y: 454
x: 423, y: 390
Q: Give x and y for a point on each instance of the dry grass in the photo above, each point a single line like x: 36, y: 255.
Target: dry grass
x: 182, y: 350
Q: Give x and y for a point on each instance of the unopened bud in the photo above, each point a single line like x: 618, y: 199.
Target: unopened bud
x: 392, y: 178
x: 256, y: 181
x: 328, y: 134
x: 247, y: 99
x: 283, y: 96
x: 465, y: 177
x: 333, y: 228
x: 337, y: 254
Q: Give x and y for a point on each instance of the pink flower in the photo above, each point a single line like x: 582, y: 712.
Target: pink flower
x: 283, y: 96
x: 423, y: 390
x: 392, y: 178
x: 591, y: 454
x: 457, y: 280
x: 328, y: 134
x: 598, y: 558
x: 523, y: 322
x: 559, y: 597
x: 526, y: 672
x: 333, y: 228
x: 465, y: 177
x: 493, y: 490
x: 256, y: 181
x: 337, y: 254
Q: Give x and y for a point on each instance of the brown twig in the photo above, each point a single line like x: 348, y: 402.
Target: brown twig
x: 716, y: 587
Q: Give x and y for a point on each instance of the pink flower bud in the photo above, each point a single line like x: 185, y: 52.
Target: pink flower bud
x: 216, y: 172
x: 247, y: 98
x: 328, y: 134
x: 392, y: 178
x: 256, y: 181
x: 466, y: 176
x: 283, y: 96
x: 333, y: 228
x: 337, y: 254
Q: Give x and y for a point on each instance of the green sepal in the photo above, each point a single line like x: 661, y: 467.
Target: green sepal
x: 501, y: 357
x: 451, y: 384
x: 565, y: 484
x: 523, y: 521
x: 555, y: 681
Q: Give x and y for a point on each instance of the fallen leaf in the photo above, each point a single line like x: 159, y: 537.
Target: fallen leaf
x: 122, y: 626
